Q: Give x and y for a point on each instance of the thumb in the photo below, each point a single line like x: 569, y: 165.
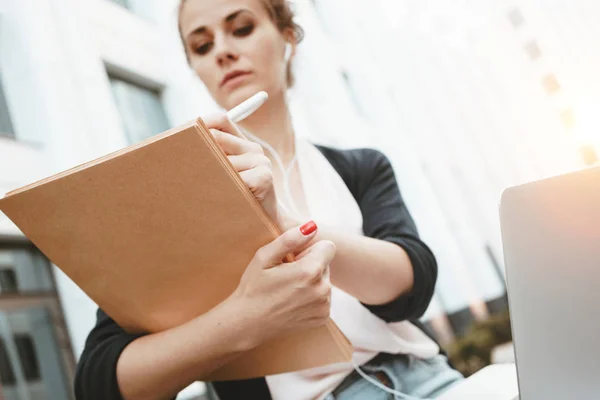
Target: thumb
x: 289, y: 242
x: 221, y: 122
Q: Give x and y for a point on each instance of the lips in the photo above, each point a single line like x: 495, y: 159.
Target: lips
x: 232, y: 75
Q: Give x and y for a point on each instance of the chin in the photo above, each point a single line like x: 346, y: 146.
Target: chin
x: 240, y: 94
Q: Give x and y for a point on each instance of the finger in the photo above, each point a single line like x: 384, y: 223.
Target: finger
x: 324, y: 289
x: 327, y: 273
x: 314, y: 266
x: 317, y: 248
x: 247, y: 161
x: 221, y: 122
x: 235, y: 145
x: 304, y: 251
x: 259, y: 180
x: 287, y: 243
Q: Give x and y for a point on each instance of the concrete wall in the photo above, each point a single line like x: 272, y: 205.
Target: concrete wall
x: 448, y: 92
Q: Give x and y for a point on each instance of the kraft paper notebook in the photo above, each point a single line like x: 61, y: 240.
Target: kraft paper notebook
x: 159, y: 233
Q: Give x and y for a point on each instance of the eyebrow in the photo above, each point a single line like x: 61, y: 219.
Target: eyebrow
x: 228, y: 19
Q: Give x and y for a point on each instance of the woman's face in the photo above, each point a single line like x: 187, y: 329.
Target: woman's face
x: 234, y: 47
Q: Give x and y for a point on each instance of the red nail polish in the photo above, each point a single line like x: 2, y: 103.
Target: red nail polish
x: 308, y: 228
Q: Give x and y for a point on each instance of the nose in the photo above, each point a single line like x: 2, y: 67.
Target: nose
x: 224, y: 53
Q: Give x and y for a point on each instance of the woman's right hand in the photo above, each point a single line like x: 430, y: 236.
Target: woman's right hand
x: 283, y: 297
x: 248, y: 159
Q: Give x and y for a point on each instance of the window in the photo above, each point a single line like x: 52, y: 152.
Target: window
x: 33, y: 335
x: 533, y: 50
x: 8, y: 280
x: 7, y: 374
x: 123, y: 3
x: 23, y: 271
x: 495, y: 262
x: 568, y: 118
x: 352, y: 92
x: 589, y: 154
x: 28, y: 357
x: 550, y: 84
x: 461, y: 321
x: 6, y: 128
x: 140, y: 108
x: 142, y: 8
x: 516, y: 18
x: 497, y: 305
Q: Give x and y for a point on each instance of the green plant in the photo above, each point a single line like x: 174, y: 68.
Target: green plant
x: 473, y: 351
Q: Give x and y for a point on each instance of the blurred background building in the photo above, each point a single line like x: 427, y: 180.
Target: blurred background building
x: 465, y: 97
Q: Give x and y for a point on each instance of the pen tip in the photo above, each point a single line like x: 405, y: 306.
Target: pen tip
x: 262, y: 94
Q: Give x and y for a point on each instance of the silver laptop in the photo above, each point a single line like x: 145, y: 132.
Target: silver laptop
x: 551, y: 238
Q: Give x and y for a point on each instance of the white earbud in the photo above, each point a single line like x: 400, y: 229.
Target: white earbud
x: 288, y: 52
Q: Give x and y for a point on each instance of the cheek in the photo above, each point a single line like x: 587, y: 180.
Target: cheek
x: 206, y: 74
x: 267, y: 60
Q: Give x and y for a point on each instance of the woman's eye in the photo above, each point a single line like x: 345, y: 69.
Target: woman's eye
x: 244, y: 31
x: 203, y: 49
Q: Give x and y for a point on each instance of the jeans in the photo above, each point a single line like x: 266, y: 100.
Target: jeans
x: 423, y: 379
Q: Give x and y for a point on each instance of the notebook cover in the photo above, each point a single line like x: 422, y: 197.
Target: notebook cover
x: 160, y: 233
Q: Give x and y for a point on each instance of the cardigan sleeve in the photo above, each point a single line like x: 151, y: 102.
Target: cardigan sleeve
x: 96, y: 375
x: 371, y: 180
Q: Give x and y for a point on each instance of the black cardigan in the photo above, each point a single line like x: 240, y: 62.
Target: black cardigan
x: 371, y: 180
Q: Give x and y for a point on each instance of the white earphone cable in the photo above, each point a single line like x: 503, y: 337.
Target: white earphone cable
x: 284, y: 171
x: 290, y: 199
x: 288, y: 194
x: 278, y: 160
x: 381, y: 386
x: 287, y: 54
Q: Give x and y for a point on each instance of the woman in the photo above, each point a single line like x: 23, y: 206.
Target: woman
x: 364, y: 265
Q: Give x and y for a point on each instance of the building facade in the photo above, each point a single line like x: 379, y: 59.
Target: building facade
x: 464, y: 99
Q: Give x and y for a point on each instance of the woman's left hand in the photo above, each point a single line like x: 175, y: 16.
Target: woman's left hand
x: 249, y: 161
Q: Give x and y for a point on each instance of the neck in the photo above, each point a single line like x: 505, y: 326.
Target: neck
x: 273, y: 124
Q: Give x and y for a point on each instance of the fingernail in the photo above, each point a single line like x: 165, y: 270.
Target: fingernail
x: 308, y: 228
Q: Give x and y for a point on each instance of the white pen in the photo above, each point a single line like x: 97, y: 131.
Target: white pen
x: 247, y: 107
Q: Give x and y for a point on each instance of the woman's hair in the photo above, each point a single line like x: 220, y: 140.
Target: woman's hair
x: 281, y: 14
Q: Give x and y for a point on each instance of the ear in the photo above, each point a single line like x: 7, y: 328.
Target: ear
x: 290, y: 37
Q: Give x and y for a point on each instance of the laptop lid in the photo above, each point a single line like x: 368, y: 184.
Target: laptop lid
x: 551, y: 238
